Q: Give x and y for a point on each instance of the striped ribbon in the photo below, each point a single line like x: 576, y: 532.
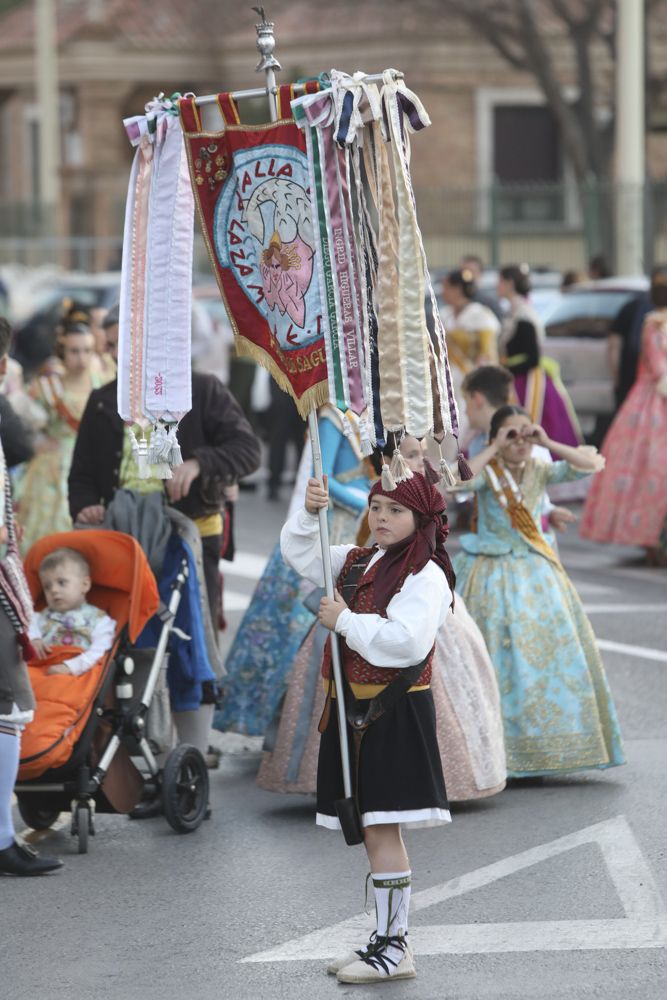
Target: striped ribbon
x: 132, y: 306
x: 357, y: 102
x: 332, y: 347
x: 404, y: 113
x: 339, y: 266
x: 390, y: 345
x: 414, y: 337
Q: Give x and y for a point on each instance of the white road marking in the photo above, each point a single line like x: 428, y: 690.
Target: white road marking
x: 590, y: 561
x: 641, y: 652
x: 612, y: 609
x: 593, y: 589
x: 643, y: 926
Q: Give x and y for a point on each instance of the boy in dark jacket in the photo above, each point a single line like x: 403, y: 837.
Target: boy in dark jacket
x: 217, y: 444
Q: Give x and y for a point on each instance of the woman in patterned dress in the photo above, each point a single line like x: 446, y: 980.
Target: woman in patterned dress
x: 472, y: 332
x: 627, y: 503
x: 558, y: 713
x: 41, y: 486
x: 465, y: 694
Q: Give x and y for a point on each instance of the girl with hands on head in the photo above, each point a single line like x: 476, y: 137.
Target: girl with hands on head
x: 558, y: 712
x: 512, y: 436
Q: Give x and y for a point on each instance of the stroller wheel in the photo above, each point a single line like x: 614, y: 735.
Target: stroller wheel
x: 185, y: 789
x: 82, y: 825
x: 39, y: 817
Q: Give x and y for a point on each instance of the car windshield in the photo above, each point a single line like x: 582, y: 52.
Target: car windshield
x: 88, y: 296
x: 589, y: 305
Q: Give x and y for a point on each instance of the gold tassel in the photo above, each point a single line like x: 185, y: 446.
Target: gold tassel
x: 399, y: 468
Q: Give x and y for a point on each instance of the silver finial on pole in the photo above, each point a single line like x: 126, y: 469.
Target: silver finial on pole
x: 266, y: 43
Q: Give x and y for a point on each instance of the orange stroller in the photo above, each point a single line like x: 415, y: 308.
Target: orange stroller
x: 77, y: 752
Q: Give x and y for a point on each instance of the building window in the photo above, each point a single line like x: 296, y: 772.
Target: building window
x: 527, y: 165
x: 523, y: 174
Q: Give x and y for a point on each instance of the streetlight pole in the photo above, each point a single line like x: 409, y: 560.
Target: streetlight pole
x: 46, y: 84
x: 630, y: 137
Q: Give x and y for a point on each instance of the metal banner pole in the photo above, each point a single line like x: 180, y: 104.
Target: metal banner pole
x: 268, y: 63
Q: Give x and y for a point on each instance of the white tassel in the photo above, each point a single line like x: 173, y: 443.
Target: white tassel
x: 347, y: 426
x: 366, y: 445
x: 159, y: 451
x: 175, y: 456
x: 134, y: 444
x: 399, y: 468
x: 387, y: 479
x: 157, y: 448
x: 447, y: 478
x: 142, y: 458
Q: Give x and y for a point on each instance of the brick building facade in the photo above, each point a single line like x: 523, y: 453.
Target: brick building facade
x: 489, y: 121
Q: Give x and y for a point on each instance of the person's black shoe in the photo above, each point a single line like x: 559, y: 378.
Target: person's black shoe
x: 148, y: 809
x: 21, y: 859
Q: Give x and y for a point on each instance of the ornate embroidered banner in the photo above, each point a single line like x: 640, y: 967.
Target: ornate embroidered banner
x: 252, y: 190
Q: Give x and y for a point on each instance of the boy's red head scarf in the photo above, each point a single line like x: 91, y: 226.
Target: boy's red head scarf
x: 427, y: 542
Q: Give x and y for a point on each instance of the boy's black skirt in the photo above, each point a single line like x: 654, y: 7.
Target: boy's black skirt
x: 399, y: 772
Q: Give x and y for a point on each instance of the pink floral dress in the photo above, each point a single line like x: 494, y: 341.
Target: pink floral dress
x: 627, y: 503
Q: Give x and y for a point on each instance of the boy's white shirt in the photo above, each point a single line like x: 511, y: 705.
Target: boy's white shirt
x: 101, y: 642
x: 414, y: 614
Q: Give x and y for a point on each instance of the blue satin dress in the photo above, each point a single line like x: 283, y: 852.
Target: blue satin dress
x: 558, y: 712
x: 277, y: 621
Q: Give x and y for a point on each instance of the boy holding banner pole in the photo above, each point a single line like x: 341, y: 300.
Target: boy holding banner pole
x: 325, y: 287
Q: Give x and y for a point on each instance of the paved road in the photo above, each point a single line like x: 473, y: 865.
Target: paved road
x: 543, y: 892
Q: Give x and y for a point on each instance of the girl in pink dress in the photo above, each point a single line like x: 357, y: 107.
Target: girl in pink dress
x: 627, y: 503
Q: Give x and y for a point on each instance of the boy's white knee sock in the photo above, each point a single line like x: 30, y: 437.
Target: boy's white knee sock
x: 392, y: 902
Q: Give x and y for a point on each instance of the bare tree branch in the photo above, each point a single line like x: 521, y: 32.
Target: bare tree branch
x: 495, y: 23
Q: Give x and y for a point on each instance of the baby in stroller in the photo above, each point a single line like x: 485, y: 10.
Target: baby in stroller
x: 79, y: 753
x: 70, y: 635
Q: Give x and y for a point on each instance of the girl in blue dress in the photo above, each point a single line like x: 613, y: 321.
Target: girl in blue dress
x: 558, y: 713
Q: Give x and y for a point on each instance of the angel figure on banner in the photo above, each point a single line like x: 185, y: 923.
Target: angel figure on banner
x: 286, y: 264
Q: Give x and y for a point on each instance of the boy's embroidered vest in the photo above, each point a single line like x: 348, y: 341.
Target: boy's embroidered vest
x: 70, y: 628
x: 357, y: 670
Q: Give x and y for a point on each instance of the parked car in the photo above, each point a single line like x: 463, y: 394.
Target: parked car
x: 35, y: 336
x: 577, y: 326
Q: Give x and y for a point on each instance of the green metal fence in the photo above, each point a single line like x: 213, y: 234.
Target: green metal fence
x: 549, y: 225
